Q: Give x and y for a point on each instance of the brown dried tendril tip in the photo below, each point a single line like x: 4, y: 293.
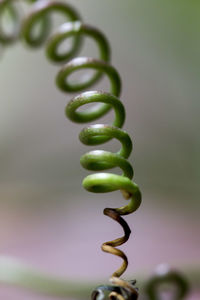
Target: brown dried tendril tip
x: 110, y: 246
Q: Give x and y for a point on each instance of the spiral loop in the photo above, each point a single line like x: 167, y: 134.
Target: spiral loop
x: 15, y: 19
x: 98, y: 160
x: 72, y: 29
x: 40, y: 10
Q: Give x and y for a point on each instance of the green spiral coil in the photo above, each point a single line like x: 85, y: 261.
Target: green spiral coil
x: 16, y: 273
x: 98, y: 160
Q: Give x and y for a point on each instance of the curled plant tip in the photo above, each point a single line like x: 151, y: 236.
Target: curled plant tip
x: 120, y: 290
x: 167, y: 281
x: 109, y: 247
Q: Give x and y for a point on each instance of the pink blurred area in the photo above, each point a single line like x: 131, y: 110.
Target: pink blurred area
x: 64, y: 238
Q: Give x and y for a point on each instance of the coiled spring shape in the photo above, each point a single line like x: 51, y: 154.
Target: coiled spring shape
x: 97, y: 134
x: 99, y: 160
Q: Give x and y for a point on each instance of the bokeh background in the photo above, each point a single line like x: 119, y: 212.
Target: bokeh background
x: 46, y: 218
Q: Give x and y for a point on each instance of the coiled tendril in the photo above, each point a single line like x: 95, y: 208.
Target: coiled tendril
x: 98, y: 160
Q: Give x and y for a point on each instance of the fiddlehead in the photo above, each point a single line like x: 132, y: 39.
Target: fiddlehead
x: 98, y: 160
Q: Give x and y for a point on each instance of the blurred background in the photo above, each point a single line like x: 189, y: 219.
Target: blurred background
x: 46, y: 218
